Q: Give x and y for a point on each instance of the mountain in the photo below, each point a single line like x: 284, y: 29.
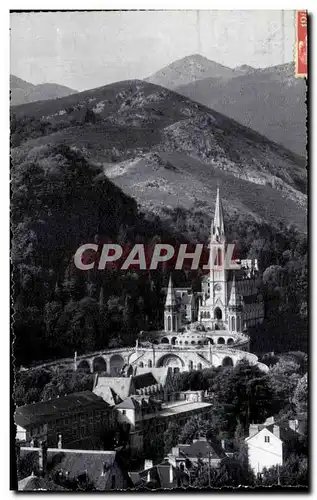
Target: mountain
x: 167, y: 151
x: 189, y: 69
x: 270, y: 101
x: 23, y: 92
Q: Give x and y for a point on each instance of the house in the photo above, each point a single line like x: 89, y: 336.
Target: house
x: 160, y: 476
x: 200, y: 450
x: 265, y: 447
x: 70, y: 469
x: 80, y: 419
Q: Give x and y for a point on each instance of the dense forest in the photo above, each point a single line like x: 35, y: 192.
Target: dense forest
x: 60, y: 201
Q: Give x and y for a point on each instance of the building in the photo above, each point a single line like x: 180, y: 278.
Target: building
x: 270, y: 443
x: 265, y: 447
x: 187, y: 456
x: 69, y: 469
x: 160, y: 476
x: 77, y: 420
x: 199, y: 330
x: 147, y: 417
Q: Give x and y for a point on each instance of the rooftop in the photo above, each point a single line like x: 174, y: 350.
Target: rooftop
x: 97, y: 464
x: 36, y: 413
x: 177, y: 408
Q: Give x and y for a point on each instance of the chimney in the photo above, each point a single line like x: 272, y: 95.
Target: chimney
x: 148, y: 464
x: 171, y: 474
x: 42, y: 458
x: 276, y: 431
x: 253, y: 429
x: 59, y: 444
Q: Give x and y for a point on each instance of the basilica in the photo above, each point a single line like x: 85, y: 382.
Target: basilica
x: 203, y: 329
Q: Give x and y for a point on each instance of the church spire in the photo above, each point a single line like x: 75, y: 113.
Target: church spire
x: 170, y: 297
x: 218, y: 227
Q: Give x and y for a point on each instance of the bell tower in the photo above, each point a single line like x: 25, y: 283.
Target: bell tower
x: 218, y: 273
x: 171, y: 319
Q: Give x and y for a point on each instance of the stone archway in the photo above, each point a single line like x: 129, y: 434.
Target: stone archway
x: 230, y: 341
x: 170, y: 360
x: 99, y: 364
x: 165, y: 340
x: 173, y: 340
x: 220, y: 340
x: 116, y: 364
x: 227, y: 361
x: 83, y: 366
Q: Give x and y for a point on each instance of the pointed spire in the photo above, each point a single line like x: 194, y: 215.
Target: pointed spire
x: 218, y: 227
x: 170, y: 297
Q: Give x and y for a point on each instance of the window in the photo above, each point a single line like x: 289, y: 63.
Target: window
x: 124, y: 412
x: 266, y: 439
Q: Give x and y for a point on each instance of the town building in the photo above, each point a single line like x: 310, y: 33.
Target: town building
x: 69, y: 469
x: 77, y: 420
x: 160, y: 476
x: 188, y: 456
x: 270, y: 443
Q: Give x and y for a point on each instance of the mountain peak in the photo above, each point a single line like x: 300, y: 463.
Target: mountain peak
x: 188, y: 69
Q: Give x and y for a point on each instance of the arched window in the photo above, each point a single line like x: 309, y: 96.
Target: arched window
x: 169, y: 324
x: 233, y: 323
x: 174, y: 323
x: 149, y: 364
x: 190, y: 365
x: 218, y: 313
x: 221, y: 340
x: 141, y: 365
x: 199, y: 366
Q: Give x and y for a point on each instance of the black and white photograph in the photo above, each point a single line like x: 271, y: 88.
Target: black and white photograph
x: 159, y: 253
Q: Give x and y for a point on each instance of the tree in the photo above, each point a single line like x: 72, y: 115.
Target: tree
x: 300, y: 398
x: 171, y: 437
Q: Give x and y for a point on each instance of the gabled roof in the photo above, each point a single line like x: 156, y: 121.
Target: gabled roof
x: 97, y: 464
x: 142, y: 380
x: 201, y: 449
x: 160, y: 374
x: 128, y: 404
x: 122, y: 386
x: 261, y: 429
x: 37, y: 413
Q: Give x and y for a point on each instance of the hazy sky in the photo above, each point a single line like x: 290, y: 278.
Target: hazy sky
x: 88, y: 49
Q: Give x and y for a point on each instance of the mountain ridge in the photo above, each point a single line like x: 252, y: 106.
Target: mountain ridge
x: 24, y: 92
x: 123, y: 126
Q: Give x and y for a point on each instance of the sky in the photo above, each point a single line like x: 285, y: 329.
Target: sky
x: 84, y: 50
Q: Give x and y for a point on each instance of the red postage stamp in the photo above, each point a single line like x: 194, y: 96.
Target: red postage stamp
x: 301, y: 44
